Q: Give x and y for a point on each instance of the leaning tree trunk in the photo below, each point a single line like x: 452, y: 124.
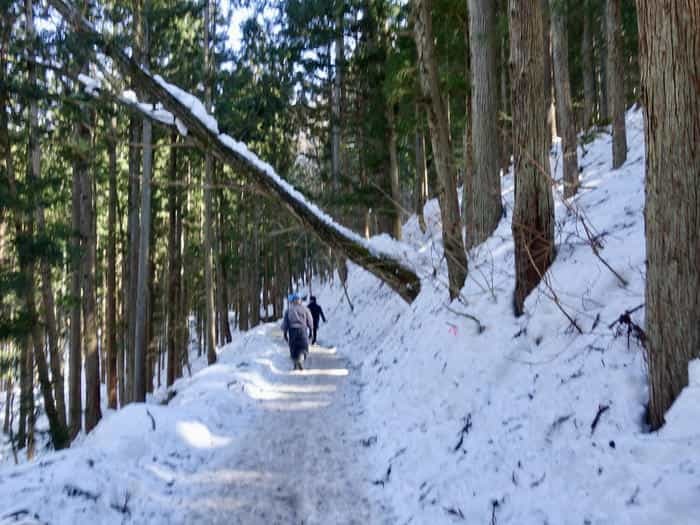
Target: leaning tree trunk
x: 442, y: 147
x: 485, y: 196
x: 616, y: 81
x: 395, y: 273
x: 668, y: 36
x: 567, y: 127
x: 533, y: 214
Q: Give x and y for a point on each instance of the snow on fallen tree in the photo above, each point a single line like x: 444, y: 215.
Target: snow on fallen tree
x: 189, y: 114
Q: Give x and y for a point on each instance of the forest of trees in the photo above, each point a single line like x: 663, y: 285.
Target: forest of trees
x: 124, y: 244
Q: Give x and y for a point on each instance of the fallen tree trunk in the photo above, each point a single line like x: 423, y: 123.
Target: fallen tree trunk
x: 384, y: 266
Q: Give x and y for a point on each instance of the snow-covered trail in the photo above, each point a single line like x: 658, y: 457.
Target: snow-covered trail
x: 301, y: 461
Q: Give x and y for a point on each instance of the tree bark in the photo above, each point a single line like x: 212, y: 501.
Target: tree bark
x: 173, y: 321
x: 486, y: 178
x: 533, y: 214
x: 442, y: 147
x: 616, y: 81
x: 567, y: 127
x: 669, y: 44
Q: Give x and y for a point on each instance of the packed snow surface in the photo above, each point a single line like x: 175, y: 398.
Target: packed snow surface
x: 411, y: 413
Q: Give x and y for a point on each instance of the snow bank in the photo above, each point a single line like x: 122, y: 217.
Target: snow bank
x: 527, y: 422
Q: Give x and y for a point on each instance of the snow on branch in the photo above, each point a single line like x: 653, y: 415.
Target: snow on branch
x: 177, y: 107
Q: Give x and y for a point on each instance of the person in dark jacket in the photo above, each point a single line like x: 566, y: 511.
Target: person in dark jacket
x: 316, y: 313
x: 296, y: 329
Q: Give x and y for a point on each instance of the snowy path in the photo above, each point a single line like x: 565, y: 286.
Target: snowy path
x: 301, y: 460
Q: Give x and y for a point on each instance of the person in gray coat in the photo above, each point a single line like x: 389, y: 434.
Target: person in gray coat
x: 297, y: 326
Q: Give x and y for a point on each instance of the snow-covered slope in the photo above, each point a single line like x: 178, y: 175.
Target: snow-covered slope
x: 528, y: 422
x: 425, y: 416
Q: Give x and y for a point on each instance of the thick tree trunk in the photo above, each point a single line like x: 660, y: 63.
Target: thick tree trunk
x: 395, y: 273
x: 442, y: 147
x: 533, y: 214
x: 111, y: 296
x: 486, y: 180
x: 616, y: 81
x: 668, y: 36
x: 567, y: 127
x: 133, y: 254
x: 588, y: 69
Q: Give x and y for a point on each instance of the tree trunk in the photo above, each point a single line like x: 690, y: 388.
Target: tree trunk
x: 421, y: 184
x: 486, y: 179
x: 173, y: 321
x: 207, y: 247
x: 140, y: 340
x: 548, y: 90
x: 588, y: 70
x: 111, y: 297
x: 567, y: 127
x: 336, y: 133
x: 616, y: 81
x: 394, y: 173
x: 533, y: 214
x: 92, y: 363
x: 668, y: 36
x: 442, y: 147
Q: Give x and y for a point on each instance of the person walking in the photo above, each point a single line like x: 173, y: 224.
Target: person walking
x: 296, y: 329
x: 316, y: 313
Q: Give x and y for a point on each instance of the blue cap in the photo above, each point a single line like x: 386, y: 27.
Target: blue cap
x: 292, y: 297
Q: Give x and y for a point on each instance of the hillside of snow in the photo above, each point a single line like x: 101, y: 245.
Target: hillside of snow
x: 414, y: 413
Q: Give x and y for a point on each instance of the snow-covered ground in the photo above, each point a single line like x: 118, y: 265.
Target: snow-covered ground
x: 411, y: 413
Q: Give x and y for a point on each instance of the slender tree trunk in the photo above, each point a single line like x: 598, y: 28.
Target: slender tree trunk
x: 394, y: 173
x: 668, y: 37
x: 92, y: 363
x: 111, y: 297
x: 173, y: 266
x: 442, y: 147
x: 209, y: 318
x: 336, y: 116
x: 486, y: 187
x: 588, y: 70
x: 421, y: 184
x: 140, y: 336
x: 604, y: 110
x: 548, y: 88
x: 533, y: 214
x: 222, y: 272
x: 25, y: 434
x: 616, y: 81
x: 567, y: 127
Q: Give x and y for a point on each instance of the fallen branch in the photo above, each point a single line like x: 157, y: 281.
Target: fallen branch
x: 601, y: 409
x: 633, y: 329
x: 465, y: 430
x: 153, y: 420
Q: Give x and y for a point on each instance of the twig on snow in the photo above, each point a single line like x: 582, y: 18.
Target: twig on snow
x: 596, y: 420
x: 153, y: 420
